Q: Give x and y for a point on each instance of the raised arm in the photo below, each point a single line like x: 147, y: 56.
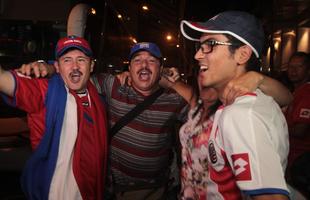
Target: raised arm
x: 7, y: 82
x: 186, y: 92
x: 170, y: 79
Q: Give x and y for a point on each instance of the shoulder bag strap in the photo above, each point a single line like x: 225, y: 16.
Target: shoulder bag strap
x: 134, y: 112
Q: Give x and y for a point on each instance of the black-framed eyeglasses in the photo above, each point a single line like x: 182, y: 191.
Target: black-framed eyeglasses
x: 207, y: 45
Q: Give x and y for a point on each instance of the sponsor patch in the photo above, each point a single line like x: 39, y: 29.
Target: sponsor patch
x: 212, y: 153
x: 304, y: 113
x: 242, y: 166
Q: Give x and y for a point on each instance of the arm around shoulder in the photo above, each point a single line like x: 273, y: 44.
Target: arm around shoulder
x: 277, y: 90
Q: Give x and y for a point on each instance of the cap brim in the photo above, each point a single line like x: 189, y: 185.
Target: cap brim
x: 84, y: 50
x: 139, y: 50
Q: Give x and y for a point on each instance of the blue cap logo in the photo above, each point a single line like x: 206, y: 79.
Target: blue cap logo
x: 152, y: 48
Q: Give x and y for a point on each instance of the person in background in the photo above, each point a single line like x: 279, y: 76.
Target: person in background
x: 232, y: 150
x: 69, y: 145
x: 298, y: 70
x: 298, y: 116
x: 140, y: 151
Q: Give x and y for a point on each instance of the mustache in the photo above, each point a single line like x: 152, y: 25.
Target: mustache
x: 76, y: 72
x: 145, y: 69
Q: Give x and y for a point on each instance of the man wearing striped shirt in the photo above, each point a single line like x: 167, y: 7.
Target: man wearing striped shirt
x: 141, y: 150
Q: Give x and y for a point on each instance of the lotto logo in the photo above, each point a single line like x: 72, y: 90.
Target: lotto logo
x: 242, y: 166
x: 304, y: 113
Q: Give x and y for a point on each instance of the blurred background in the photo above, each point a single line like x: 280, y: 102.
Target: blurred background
x: 30, y: 29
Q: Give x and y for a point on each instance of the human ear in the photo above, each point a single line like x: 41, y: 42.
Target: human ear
x: 56, y: 64
x: 92, y: 64
x: 243, y: 54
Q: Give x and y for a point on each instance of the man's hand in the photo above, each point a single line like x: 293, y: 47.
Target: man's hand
x: 37, y: 69
x: 124, y: 78
x: 248, y: 82
x: 169, y: 77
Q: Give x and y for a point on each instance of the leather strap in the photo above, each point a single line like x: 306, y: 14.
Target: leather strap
x: 134, y: 112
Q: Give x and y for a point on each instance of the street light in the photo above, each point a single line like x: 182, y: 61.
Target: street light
x: 145, y: 7
x: 169, y: 37
x: 93, y: 11
x: 133, y: 39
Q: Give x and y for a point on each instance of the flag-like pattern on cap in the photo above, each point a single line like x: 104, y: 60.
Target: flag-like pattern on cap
x: 73, y: 42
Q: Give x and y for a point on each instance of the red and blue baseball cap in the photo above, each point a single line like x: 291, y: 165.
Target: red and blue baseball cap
x: 152, y: 48
x: 241, y: 25
x: 72, y: 42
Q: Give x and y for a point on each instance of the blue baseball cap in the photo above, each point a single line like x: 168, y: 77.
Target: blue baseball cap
x: 241, y: 25
x: 152, y: 48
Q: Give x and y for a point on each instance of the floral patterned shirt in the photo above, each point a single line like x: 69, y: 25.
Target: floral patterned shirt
x: 194, y: 170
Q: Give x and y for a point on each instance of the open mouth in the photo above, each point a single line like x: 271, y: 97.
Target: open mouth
x: 203, y: 68
x: 75, y: 76
x: 144, y: 75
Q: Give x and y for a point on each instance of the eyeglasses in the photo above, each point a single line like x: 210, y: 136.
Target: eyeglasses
x: 207, y: 45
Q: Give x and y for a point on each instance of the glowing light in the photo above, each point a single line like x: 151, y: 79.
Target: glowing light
x: 133, y: 40
x: 169, y: 37
x: 177, y: 45
x: 290, y: 33
x: 119, y: 16
x: 164, y: 59
x: 304, y: 40
x: 145, y: 8
x: 93, y: 11
x: 276, y: 45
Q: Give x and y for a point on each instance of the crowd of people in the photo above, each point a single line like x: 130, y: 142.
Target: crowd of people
x: 100, y: 137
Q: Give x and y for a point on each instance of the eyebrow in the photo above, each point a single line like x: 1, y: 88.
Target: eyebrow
x: 212, y: 37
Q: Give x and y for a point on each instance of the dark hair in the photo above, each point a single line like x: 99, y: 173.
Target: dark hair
x: 194, y: 82
x: 303, y: 55
x: 253, y: 63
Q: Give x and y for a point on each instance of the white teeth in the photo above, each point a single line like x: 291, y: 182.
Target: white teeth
x: 203, y: 68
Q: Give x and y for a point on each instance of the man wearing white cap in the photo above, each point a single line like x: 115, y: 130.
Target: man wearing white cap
x: 247, y: 145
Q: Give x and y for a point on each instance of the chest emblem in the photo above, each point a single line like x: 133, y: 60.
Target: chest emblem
x: 212, y: 153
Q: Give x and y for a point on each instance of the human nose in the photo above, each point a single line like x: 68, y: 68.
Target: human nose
x: 75, y: 65
x: 144, y: 63
x: 199, y: 54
